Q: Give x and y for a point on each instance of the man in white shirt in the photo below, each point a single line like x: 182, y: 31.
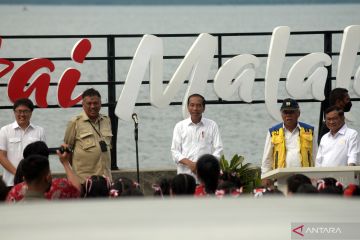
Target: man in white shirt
x: 340, y: 146
x: 338, y: 97
x: 194, y: 137
x: 290, y: 143
x: 16, y: 136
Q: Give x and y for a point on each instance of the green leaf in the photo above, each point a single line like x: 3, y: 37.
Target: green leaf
x: 235, y: 162
x: 247, y: 173
x: 233, y: 159
x: 245, y: 167
x: 224, y: 165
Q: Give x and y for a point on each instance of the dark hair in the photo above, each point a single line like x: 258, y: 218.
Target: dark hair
x: 3, y: 190
x: 208, y: 171
x: 335, y: 108
x: 331, y: 190
x: 228, y: 187
x: 24, y: 102
x: 90, y: 92
x: 35, y: 148
x: 196, y: 95
x: 34, y: 167
x: 337, y: 94
x: 126, y: 187
x: 295, y: 181
x: 183, y: 184
x: 19, y: 174
x: 162, y: 187
x: 329, y: 186
x: 38, y: 147
x: 96, y: 186
x: 307, y: 189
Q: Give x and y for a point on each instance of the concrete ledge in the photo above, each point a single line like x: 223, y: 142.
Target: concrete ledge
x: 270, y: 218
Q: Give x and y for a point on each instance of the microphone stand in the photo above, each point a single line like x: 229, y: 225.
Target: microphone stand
x: 136, y: 150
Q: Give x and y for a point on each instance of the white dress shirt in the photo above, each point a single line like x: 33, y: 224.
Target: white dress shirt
x: 13, y: 140
x: 192, y: 140
x: 292, y: 145
x: 340, y: 149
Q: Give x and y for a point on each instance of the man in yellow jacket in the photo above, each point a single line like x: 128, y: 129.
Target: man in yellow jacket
x: 290, y: 143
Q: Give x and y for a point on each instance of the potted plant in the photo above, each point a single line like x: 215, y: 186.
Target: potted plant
x: 245, y: 175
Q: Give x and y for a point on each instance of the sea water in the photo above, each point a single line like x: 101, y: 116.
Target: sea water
x: 243, y: 127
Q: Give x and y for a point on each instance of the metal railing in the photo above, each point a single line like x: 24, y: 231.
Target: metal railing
x: 111, y: 59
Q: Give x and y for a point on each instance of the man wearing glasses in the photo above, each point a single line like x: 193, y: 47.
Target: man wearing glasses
x: 290, y: 143
x: 341, y: 145
x: 16, y: 136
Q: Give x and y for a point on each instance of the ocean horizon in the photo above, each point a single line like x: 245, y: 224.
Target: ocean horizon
x: 174, y: 2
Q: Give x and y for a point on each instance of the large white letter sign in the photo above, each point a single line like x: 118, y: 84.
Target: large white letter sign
x: 197, y: 62
x: 296, y: 85
x: 278, y: 46
x: 149, y: 49
x: 356, y: 85
x: 348, y: 53
x: 234, y: 68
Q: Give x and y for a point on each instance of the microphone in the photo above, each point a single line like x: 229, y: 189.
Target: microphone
x: 135, y: 118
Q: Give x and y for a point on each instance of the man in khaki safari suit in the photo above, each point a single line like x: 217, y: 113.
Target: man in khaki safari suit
x: 89, y: 134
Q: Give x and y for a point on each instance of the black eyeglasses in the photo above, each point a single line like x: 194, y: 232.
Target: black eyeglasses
x: 25, y: 112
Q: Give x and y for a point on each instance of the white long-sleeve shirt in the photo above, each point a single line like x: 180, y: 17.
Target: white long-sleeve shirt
x: 192, y: 140
x: 340, y: 149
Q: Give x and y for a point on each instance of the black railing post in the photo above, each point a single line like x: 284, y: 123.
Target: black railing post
x: 327, y: 89
x: 112, y: 98
x: 219, y: 54
x: 219, y: 51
